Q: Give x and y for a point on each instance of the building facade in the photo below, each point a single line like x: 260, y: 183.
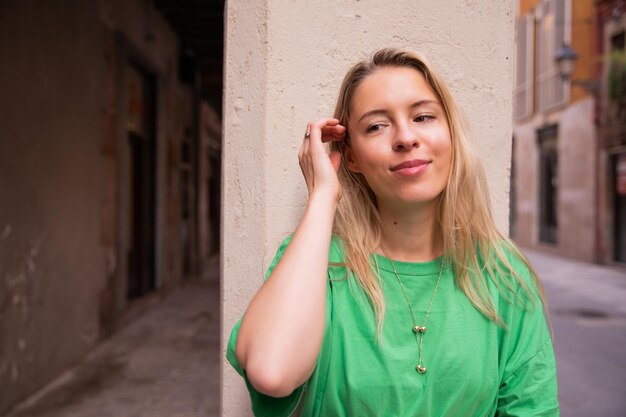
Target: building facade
x: 569, y: 135
x: 109, y: 169
x: 611, y: 71
x: 553, y: 132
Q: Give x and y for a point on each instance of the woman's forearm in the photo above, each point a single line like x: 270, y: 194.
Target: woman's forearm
x: 282, y: 330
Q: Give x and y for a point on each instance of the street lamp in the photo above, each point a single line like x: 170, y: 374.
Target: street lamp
x: 565, y: 59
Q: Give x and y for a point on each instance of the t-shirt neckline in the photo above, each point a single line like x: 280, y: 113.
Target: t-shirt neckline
x: 408, y: 268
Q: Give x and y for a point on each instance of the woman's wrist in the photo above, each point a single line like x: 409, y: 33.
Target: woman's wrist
x: 321, y: 199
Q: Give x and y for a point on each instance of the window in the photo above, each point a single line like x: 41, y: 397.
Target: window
x: 524, y: 68
x: 618, y: 41
x: 551, y: 33
x: 548, y: 184
x: 616, y: 112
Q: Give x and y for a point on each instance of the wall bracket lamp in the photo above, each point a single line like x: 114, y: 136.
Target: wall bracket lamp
x: 565, y: 59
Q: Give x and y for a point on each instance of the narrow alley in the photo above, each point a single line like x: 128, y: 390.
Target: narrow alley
x: 164, y: 362
x: 110, y: 201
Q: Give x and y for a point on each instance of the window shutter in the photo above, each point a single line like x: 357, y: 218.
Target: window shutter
x: 522, y: 106
x: 559, y: 37
x: 551, y: 32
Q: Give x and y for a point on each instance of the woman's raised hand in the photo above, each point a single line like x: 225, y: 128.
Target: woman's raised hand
x: 318, y: 167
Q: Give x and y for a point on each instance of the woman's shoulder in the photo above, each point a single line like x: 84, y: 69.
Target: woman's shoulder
x: 517, y: 280
x: 517, y: 262
x: 504, y: 257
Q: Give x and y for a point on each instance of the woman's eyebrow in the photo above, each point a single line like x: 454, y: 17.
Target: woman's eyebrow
x: 424, y: 102
x: 371, y: 113
x: 383, y: 111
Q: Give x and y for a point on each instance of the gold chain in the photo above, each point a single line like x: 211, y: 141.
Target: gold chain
x: 417, y: 330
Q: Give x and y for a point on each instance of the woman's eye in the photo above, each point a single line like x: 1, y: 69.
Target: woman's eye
x: 374, y: 128
x: 423, y: 118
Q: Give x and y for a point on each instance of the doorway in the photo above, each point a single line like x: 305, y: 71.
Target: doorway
x: 548, y: 184
x: 619, y: 209
x: 140, y: 128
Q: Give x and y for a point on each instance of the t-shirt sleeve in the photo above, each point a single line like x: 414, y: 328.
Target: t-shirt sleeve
x: 528, y: 383
x: 531, y: 389
x: 264, y: 405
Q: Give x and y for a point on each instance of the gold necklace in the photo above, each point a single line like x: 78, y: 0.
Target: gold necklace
x: 417, y: 330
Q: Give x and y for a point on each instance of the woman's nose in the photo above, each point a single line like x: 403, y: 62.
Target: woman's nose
x: 406, y: 138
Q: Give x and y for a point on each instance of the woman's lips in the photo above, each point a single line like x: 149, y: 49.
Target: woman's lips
x: 410, y: 168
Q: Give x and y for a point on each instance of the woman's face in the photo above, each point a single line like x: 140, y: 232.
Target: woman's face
x: 399, y: 137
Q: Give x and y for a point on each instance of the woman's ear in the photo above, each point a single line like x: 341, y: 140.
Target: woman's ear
x: 350, y: 160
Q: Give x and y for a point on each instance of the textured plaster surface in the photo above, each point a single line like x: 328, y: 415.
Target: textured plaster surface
x: 244, y: 168
x: 284, y: 64
x: 310, y: 46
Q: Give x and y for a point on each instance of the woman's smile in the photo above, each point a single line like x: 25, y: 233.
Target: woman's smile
x: 411, y: 168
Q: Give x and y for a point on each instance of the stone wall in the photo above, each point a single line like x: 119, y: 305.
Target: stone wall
x: 64, y: 176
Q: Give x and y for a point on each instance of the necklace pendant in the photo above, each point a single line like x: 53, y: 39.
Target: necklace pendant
x: 416, y: 329
x: 419, y: 329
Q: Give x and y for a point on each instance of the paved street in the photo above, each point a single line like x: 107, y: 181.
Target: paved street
x: 166, y: 362
x: 588, y: 310
x: 163, y: 363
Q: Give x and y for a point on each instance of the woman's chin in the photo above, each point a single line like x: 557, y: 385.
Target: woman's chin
x: 412, y: 200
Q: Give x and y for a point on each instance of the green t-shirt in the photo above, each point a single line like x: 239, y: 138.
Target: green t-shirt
x: 475, y: 367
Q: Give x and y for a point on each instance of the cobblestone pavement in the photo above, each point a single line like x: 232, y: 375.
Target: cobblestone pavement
x: 587, y: 306
x: 163, y: 363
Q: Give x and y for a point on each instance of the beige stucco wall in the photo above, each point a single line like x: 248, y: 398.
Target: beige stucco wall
x: 284, y: 64
x: 576, y: 176
x: 526, y: 154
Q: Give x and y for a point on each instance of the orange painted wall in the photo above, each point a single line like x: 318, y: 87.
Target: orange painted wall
x: 582, y: 41
x: 583, y: 44
x: 526, y: 5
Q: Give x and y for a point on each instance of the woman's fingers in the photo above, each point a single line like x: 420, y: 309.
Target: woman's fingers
x: 318, y: 167
x: 321, y: 131
x: 333, y: 133
x: 317, y: 132
x: 333, y: 127
x: 304, y: 158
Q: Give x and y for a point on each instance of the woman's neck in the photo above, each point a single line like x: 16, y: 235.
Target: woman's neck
x: 411, y: 234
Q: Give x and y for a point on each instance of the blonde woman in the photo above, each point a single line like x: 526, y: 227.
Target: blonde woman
x: 396, y: 295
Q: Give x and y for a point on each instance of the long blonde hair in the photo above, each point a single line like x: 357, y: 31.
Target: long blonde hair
x: 472, y: 245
